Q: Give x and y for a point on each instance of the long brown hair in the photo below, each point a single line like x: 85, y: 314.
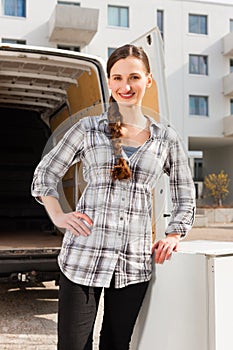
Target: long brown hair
x: 121, y: 169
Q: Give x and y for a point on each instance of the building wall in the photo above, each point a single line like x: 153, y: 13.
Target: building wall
x: 109, y: 36
x: 33, y: 28
x: 178, y: 44
x: 211, y: 85
x: 180, y: 82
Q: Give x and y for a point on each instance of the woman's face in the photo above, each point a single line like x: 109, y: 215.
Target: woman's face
x: 129, y: 80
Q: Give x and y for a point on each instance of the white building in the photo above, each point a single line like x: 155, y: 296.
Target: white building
x: 198, y: 44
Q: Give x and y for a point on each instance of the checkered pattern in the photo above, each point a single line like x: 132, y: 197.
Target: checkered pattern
x: 121, y: 237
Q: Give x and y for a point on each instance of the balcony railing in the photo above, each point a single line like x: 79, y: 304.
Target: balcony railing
x: 228, y: 85
x: 228, y: 125
x: 228, y: 44
x: 73, y: 25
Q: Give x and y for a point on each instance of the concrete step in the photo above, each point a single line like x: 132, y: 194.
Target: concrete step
x: 201, y: 220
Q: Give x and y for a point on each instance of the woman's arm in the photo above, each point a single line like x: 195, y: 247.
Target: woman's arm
x: 56, y: 163
x: 182, y: 188
x: 75, y: 222
x: 183, y: 197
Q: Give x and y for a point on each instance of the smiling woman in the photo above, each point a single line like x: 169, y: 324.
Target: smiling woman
x: 129, y: 86
x: 108, y: 240
x: 129, y: 76
x: 128, y: 79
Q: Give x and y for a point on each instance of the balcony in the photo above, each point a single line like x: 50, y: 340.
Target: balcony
x: 228, y: 85
x: 73, y: 25
x: 228, y: 126
x: 228, y: 44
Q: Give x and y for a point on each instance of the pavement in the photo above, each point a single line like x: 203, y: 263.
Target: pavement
x: 214, y: 232
x: 29, y: 314
x: 28, y: 317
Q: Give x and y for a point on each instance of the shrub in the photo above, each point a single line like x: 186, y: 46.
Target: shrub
x: 217, y: 186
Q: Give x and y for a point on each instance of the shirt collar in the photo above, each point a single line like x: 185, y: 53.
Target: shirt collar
x: 154, y: 125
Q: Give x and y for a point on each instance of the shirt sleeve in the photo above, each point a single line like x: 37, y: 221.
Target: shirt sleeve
x: 181, y: 187
x: 55, y: 164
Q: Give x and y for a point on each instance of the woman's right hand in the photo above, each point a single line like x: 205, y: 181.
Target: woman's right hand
x: 74, y: 222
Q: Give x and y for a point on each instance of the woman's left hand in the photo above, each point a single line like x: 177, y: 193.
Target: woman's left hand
x: 165, y: 247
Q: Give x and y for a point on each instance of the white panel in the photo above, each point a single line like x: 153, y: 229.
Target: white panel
x: 174, y: 314
x: 221, y: 303
x: 153, y: 46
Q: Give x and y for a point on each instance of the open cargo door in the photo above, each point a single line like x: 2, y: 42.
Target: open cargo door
x: 86, y: 98
x: 153, y: 46
x: 155, y: 104
x: 41, y: 89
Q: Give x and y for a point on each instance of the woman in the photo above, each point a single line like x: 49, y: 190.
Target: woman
x: 108, y: 239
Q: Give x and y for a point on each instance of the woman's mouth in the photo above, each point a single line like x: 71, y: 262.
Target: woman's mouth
x: 127, y: 96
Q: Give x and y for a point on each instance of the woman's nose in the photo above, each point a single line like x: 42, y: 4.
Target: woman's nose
x: 125, y: 86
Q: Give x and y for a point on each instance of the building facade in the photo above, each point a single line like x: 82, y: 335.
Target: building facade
x: 198, y: 46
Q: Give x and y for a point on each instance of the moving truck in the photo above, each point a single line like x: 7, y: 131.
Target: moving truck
x: 43, y: 91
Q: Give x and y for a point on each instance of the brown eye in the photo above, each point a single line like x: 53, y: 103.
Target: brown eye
x: 135, y: 77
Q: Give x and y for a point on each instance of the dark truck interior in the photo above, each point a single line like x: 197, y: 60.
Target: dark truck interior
x: 23, y: 136
x: 39, y: 91
x: 29, y: 242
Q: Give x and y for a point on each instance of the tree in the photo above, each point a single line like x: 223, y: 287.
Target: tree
x: 217, y: 185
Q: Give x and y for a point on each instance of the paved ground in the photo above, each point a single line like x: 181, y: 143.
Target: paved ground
x: 28, y: 318
x: 29, y: 315
x: 215, y: 232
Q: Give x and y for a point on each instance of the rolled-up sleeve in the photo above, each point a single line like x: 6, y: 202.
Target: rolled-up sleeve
x: 55, y: 164
x: 182, y: 189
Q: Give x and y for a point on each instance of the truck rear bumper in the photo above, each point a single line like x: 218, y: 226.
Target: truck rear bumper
x: 25, y: 266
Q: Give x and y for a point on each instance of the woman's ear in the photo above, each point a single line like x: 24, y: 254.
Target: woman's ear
x: 149, y: 80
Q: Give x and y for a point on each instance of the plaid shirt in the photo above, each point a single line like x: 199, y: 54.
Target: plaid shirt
x: 121, y: 237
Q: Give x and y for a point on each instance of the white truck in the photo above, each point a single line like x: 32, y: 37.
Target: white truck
x: 42, y: 92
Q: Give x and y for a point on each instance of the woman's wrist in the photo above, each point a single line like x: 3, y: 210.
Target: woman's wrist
x: 53, y: 208
x: 174, y: 235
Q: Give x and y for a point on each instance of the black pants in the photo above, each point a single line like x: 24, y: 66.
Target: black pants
x: 78, y: 307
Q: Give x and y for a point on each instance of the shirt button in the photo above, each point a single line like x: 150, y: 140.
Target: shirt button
x: 121, y: 218
x: 123, y: 199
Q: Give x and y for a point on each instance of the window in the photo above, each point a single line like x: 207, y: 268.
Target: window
x: 198, y: 24
x: 68, y: 3
x: 70, y: 48
x: 198, y: 64
x: 231, y: 25
x: 198, y: 169
x: 118, y: 16
x: 231, y: 102
x: 110, y: 50
x: 160, y: 21
x: 198, y: 105
x: 14, y: 41
x: 14, y: 8
x: 231, y: 65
